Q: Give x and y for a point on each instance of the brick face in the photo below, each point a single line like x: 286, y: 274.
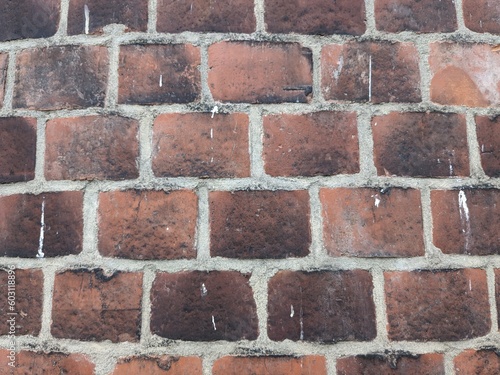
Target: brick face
x: 477, y: 362
x: 3, y: 73
x: 482, y: 16
x: 164, y: 365
x: 488, y: 136
x: 306, y: 365
x: 52, y: 363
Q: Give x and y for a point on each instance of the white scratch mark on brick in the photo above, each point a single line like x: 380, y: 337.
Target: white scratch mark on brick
x: 470, y: 285
x: 377, y: 200
x: 212, y: 133
x: 215, y: 110
x: 292, y: 312
x: 204, y: 290
x: 370, y: 79
x: 161, y: 80
x: 40, y: 253
x: 336, y: 72
x: 86, y: 11
x: 464, y: 217
x: 213, y: 323
x: 451, y: 167
x: 301, y: 324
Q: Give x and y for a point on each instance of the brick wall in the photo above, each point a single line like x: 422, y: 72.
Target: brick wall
x: 250, y: 187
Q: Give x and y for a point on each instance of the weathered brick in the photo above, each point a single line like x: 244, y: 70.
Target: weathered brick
x: 52, y: 363
x: 61, y: 77
x: 425, y: 16
x: 372, y: 222
x: 439, y: 305
x: 21, y: 229
x: 132, y: 14
x: 23, y: 19
x: 234, y: 16
x: 147, y: 224
x: 462, y: 74
x: 90, y: 305
x: 420, y: 144
x: 315, y: 17
x: 485, y: 362
x: 201, y: 145
x: 4, y: 58
x: 497, y: 291
x: 259, y: 224
x: 91, y: 147
x: 203, y: 306
x: 162, y: 365
x: 260, y: 72
x: 307, y: 365
x: 488, y: 136
x: 156, y: 74
x: 321, y: 306
x: 17, y: 149
x: 482, y: 16
x: 370, y: 72
x: 466, y: 221
x: 27, y: 298
x: 321, y: 143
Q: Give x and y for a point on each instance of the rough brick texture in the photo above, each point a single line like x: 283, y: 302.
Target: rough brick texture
x: 497, y: 290
x: 482, y: 16
x: 52, y: 363
x: 307, y: 365
x: 3, y: 73
x: 163, y: 365
x: 488, y: 136
x: 484, y: 361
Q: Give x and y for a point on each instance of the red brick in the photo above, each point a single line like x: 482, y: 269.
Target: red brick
x: 260, y: 72
x: 307, y: 365
x: 497, y: 291
x: 425, y: 16
x: 420, y: 144
x: 321, y: 306
x: 157, y: 74
x: 132, y: 14
x: 90, y: 305
x: 147, y: 224
x: 466, y: 221
x: 372, y: 222
x: 46, y: 363
x: 4, y: 58
x: 259, y: 224
x: 235, y: 16
x: 315, y: 16
x: 484, y: 361
x: 21, y: 218
x: 27, y: 289
x: 203, y: 306
x: 321, y: 143
x: 92, y: 147
x: 440, y: 305
x: 17, y: 149
x: 482, y: 16
x: 462, y: 74
x: 162, y: 365
x: 201, y: 145
x: 488, y: 136
x: 394, y: 76
x: 68, y: 76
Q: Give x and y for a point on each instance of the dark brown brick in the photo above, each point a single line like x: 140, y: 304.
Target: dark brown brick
x: 156, y: 74
x: 307, y: 365
x: 201, y: 145
x: 90, y: 305
x: 321, y: 306
x: 420, y: 144
x: 321, y: 143
x: 4, y: 58
x: 488, y: 136
x: 92, y: 147
x: 394, y: 75
x: 132, y: 14
x: 441, y: 305
x: 233, y: 16
x: 163, y: 365
x: 259, y: 224
x: 482, y: 16
x: 21, y: 218
x: 372, y: 222
x: 484, y: 362
x: 68, y: 76
x: 255, y: 72
x: 466, y: 221
x: 315, y: 16
x: 17, y: 149
x: 52, y: 363
x: 203, y: 306
x: 147, y: 224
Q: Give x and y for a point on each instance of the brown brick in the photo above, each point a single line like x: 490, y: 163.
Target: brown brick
x: 162, y: 365
x: 92, y: 147
x: 391, y: 364
x: 485, y: 362
x: 307, y: 365
x: 321, y: 143
x: 17, y: 149
x: 482, y: 16
x: 440, y: 305
x: 315, y: 17
x: 22, y: 19
x: 68, y: 76
x: 147, y: 224
x: 321, y: 306
x: 497, y: 291
x: 203, y: 306
x: 425, y: 16
x: 234, y: 16
x: 488, y: 136
x: 466, y: 221
x: 260, y: 72
x: 462, y: 74
x: 201, y: 145
x: 132, y: 14
x: 46, y: 363
x: 27, y: 288
x: 372, y: 222
x: 157, y: 74
x: 259, y: 224
x: 4, y: 59
x: 21, y: 218
x: 394, y: 75
x: 90, y: 305
x: 420, y: 144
